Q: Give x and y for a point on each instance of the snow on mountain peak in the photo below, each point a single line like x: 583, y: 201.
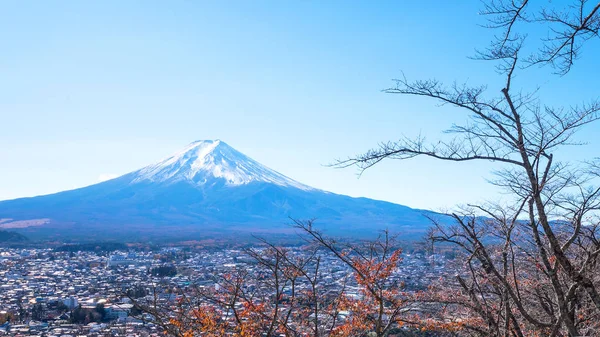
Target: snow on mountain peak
x: 204, y: 160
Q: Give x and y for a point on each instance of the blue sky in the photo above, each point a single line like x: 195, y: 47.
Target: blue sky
x: 94, y: 89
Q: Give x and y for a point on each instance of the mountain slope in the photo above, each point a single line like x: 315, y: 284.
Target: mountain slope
x: 207, y: 188
x: 11, y: 237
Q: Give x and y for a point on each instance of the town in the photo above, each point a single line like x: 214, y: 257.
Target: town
x: 52, y: 292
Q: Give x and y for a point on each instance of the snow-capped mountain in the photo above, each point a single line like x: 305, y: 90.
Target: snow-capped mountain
x: 202, y: 161
x: 206, y: 189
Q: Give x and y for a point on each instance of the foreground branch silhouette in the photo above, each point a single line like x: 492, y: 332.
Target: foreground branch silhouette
x: 530, y: 264
x: 292, y: 295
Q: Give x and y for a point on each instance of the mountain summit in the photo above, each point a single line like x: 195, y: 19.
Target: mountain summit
x: 203, y: 161
x: 207, y: 189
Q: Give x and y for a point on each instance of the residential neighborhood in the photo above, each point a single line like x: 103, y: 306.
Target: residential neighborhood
x: 48, y: 292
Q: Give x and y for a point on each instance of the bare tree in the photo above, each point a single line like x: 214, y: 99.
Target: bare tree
x: 285, y: 295
x: 530, y: 266
x: 567, y: 25
x: 381, y: 304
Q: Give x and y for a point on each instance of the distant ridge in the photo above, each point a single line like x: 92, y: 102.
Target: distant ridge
x: 11, y: 237
x: 206, y: 189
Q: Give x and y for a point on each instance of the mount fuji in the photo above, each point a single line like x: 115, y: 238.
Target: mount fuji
x: 206, y: 189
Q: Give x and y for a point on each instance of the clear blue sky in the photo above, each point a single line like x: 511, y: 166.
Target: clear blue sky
x: 90, y: 89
